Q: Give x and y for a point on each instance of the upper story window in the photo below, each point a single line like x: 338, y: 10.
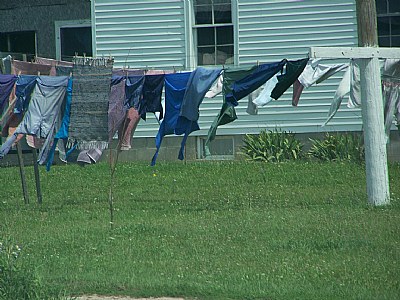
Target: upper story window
x: 213, y: 31
x: 23, y: 42
x: 388, y: 12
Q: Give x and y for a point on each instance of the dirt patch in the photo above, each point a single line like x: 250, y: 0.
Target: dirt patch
x: 99, y: 297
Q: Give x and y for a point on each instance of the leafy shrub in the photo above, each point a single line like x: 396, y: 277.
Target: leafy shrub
x: 336, y: 147
x: 19, y: 282
x: 272, y: 146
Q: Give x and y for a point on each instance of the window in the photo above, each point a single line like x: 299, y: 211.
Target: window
x: 23, y: 42
x: 213, y: 32
x: 388, y: 12
x: 73, y: 37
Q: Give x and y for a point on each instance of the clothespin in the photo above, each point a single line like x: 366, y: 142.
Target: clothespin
x: 38, y: 73
x: 258, y: 63
x: 70, y: 74
x: 19, y: 73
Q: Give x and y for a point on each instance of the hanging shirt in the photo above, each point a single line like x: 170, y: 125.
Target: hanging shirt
x: 23, y: 91
x: 39, y: 120
x: 133, y: 91
x: 216, y: 89
x: 152, y: 91
x: 7, y: 83
x: 348, y: 84
x: 265, y: 96
x: 293, y: 70
x: 175, y: 88
x: 116, y: 109
x: 198, y: 84
x: 238, y: 83
x: 62, y: 132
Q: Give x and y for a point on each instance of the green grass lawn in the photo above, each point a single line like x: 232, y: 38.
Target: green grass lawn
x: 209, y: 230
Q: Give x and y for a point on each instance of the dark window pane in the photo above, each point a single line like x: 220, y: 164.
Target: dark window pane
x: 205, y: 36
x: 225, y: 55
x: 394, y: 6
x: 383, y: 25
x: 384, y: 41
x: 395, y: 23
x: 222, y: 14
x: 75, y: 40
x: 206, y: 56
x: 222, y: 2
x: 381, y: 7
x: 225, y: 35
x: 22, y: 42
x: 395, y: 41
x: 199, y: 2
x: 203, y: 14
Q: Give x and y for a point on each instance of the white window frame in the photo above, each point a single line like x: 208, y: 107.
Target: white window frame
x: 69, y: 24
x: 388, y: 14
x: 190, y: 31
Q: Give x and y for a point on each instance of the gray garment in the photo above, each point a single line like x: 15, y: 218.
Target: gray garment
x: 252, y: 109
x: 44, y: 106
x: 315, y: 72
x: 350, y: 84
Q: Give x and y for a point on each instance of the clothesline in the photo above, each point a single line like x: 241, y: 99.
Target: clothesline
x: 130, y: 93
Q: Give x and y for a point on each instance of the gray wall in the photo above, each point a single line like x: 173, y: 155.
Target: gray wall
x: 40, y: 15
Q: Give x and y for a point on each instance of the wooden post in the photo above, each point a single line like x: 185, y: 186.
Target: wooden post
x: 22, y: 173
x: 37, y: 176
x: 372, y: 107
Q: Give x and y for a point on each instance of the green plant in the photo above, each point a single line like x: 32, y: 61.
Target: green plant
x: 272, y: 146
x: 17, y: 281
x: 336, y: 147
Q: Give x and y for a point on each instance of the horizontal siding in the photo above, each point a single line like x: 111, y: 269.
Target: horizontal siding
x: 153, y: 33
x: 141, y: 34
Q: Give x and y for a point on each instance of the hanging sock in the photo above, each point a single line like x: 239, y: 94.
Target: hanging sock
x: 7, y: 83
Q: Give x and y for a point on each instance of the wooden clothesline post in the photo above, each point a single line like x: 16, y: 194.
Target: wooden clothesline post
x: 372, y: 113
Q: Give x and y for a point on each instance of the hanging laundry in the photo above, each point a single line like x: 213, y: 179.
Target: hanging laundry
x: 152, y: 91
x: 293, y: 70
x: 133, y: 91
x: 347, y: 84
x: 62, y: 133
x: 265, y: 96
x: 23, y: 91
x: 7, y: 83
x: 198, y: 84
x: 53, y: 63
x: 216, y: 89
x: 242, y: 87
x: 355, y: 86
x: 252, y: 109
x: 89, y: 106
x: 238, y: 83
x: 127, y: 128
x: 175, y: 88
x: 391, y: 94
x: 6, y: 65
x: 89, y: 156
x: 39, y: 120
x: 314, y: 73
x: 116, y: 109
x: 28, y: 68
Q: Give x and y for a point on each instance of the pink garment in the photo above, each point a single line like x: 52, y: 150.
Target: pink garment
x: 28, y: 68
x: 297, y: 90
x: 128, y: 128
x: 53, y: 63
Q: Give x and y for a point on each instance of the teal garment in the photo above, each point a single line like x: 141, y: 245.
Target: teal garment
x: 293, y: 70
x: 227, y: 113
x: 238, y: 83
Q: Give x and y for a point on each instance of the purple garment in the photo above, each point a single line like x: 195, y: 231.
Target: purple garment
x: 6, y: 85
x: 116, y: 109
